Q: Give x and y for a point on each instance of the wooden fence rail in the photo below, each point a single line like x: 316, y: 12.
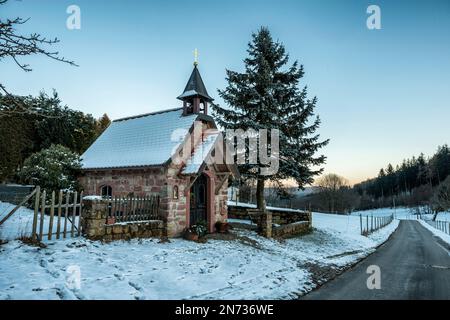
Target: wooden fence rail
x: 369, y: 224
x: 133, y: 209
x: 441, y: 225
x: 57, y: 218
x: 25, y: 200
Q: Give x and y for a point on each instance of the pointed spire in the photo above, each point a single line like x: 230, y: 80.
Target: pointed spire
x: 195, y: 87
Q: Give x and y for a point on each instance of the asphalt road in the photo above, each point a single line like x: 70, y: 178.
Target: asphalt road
x: 414, y: 264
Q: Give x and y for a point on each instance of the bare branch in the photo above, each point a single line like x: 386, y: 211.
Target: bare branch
x: 15, y: 46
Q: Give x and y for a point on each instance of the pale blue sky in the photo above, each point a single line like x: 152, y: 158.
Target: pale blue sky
x: 383, y: 94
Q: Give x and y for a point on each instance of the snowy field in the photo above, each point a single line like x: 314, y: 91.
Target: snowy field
x: 442, y: 216
x: 399, y: 213
x: 444, y: 236
x: 248, y: 267
x: 20, y: 224
x: 402, y: 213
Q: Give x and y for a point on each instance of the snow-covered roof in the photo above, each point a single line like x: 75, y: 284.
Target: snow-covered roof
x: 144, y: 140
x: 200, y: 154
x: 188, y: 94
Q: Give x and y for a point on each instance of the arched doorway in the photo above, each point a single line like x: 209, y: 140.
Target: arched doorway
x: 198, y: 205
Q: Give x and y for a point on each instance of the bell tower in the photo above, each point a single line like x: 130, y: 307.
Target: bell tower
x: 195, y: 97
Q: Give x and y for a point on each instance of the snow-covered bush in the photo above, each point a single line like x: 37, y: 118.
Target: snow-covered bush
x: 54, y: 168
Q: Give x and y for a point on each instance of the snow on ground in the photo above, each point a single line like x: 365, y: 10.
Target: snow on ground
x: 410, y: 214
x: 345, y: 230
x: 442, y: 216
x: 231, y: 203
x: 444, y: 236
x: 20, y: 224
x: 399, y: 213
x: 244, y: 221
x: 248, y: 267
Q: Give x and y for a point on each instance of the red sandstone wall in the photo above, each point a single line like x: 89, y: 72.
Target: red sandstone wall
x: 160, y: 181
x: 123, y: 182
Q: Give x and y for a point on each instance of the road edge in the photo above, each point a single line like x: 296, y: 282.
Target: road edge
x: 352, y: 265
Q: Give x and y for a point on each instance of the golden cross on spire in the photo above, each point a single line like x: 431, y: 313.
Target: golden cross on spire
x: 195, y: 57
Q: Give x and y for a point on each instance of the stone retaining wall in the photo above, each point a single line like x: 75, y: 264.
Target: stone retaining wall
x: 238, y: 212
x: 273, y: 222
x: 126, y: 231
x: 291, y: 229
x: 285, y: 217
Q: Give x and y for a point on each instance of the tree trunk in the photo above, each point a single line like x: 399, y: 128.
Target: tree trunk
x: 260, y: 203
x: 435, y: 215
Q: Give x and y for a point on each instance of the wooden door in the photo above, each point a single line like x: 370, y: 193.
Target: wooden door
x: 198, y: 201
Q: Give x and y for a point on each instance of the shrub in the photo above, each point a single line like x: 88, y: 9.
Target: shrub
x: 54, y: 168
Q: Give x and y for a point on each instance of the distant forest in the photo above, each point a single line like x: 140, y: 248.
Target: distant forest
x: 410, y: 184
x: 419, y: 182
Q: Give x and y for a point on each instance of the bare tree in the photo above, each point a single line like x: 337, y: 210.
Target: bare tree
x: 14, y: 45
x: 330, y: 187
x: 441, y: 197
x: 332, y: 182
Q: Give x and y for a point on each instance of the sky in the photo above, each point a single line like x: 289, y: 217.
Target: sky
x: 383, y: 95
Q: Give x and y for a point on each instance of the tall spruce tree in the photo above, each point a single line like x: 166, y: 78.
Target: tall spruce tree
x: 267, y: 96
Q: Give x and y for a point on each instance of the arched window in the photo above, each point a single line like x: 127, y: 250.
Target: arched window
x: 175, y: 192
x: 106, y: 191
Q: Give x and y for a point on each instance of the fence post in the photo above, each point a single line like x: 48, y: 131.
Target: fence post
x: 36, y: 210
x: 367, y: 224
x: 79, y: 213
x: 58, y: 226
x: 52, y: 214
x: 265, y: 223
x: 360, y: 223
x: 41, y: 223
x: 74, y: 211
x: 95, y: 214
x: 66, y: 215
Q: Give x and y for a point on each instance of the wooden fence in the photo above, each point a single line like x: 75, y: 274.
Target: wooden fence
x: 443, y: 226
x: 133, y: 209
x: 18, y: 206
x: 56, y: 214
x: 369, y: 224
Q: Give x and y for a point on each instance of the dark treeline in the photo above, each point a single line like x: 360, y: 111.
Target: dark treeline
x: 418, y: 182
x: 411, y: 183
x: 39, y: 123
